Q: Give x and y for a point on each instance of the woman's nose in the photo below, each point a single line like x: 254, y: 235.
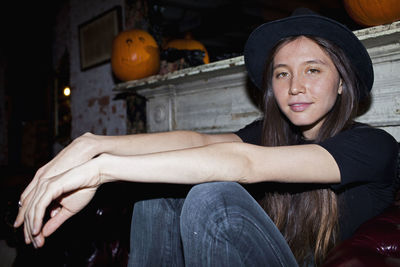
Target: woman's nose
x: 296, y: 86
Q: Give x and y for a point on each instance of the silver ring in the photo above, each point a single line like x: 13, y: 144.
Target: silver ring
x: 19, y: 204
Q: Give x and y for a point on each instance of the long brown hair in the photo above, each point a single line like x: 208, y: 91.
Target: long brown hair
x: 307, y: 214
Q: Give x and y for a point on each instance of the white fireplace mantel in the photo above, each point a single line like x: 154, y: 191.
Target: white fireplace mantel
x: 218, y: 97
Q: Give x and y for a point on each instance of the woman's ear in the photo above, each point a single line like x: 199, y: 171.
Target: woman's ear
x: 340, y: 89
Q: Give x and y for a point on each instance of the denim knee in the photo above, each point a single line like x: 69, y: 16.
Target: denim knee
x: 203, y: 195
x: 205, y: 199
x: 223, y: 225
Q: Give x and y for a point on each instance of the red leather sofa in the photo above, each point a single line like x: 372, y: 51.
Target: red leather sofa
x: 376, y: 243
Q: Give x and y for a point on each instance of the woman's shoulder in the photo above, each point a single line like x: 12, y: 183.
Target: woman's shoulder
x: 364, y: 153
x: 363, y: 143
x: 369, y: 136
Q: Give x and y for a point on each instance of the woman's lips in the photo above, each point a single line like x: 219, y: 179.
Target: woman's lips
x: 298, y: 107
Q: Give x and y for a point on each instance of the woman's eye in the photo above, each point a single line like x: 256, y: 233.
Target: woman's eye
x: 313, y: 71
x: 281, y: 75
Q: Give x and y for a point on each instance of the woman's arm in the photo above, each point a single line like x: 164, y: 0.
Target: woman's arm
x: 233, y: 161
x: 239, y: 162
x: 158, y: 142
x: 88, y: 146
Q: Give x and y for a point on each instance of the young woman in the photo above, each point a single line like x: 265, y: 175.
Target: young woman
x: 321, y: 173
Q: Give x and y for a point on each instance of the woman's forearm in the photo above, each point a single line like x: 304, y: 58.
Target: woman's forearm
x: 215, y: 162
x: 140, y: 144
x: 234, y: 161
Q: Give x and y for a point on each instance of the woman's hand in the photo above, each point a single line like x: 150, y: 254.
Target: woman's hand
x: 81, y: 150
x: 71, y: 191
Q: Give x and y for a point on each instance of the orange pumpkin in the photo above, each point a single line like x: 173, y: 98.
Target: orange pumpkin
x: 188, y: 43
x: 135, y: 55
x: 373, y: 12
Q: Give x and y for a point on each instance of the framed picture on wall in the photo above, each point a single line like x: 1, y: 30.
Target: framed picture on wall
x: 96, y: 36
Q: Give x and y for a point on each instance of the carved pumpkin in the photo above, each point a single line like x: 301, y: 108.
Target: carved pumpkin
x: 135, y: 55
x: 188, y: 43
x: 373, y: 12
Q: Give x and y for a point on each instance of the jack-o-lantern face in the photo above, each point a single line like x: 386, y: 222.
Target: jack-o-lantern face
x: 135, y: 55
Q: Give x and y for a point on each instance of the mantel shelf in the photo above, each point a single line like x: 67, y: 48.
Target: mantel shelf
x: 207, y: 70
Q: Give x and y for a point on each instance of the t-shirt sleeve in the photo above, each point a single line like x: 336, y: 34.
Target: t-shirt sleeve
x: 251, y: 133
x: 363, y: 154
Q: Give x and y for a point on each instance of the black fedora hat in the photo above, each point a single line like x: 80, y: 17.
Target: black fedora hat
x: 305, y: 22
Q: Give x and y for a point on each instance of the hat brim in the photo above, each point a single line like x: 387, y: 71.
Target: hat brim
x: 266, y: 36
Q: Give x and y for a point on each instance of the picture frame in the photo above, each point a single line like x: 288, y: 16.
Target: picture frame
x: 96, y: 36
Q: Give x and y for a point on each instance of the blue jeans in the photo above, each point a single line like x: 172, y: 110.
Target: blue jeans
x: 217, y: 224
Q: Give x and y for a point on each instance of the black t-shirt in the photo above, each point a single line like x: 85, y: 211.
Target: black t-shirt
x: 367, y: 159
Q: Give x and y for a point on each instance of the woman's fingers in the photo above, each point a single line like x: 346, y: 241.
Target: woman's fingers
x: 24, y: 199
x: 54, y: 211
x: 72, y: 190
x: 21, y: 211
x: 32, y: 213
x: 48, y: 191
x: 39, y: 240
x: 56, y: 221
x: 81, y: 150
x: 26, y: 196
x: 20, y: 217
x: 28, y: 189
x: 26, y: 235
x: 33, y: 183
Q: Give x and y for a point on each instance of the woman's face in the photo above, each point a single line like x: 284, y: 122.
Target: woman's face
x: 305, y: 83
